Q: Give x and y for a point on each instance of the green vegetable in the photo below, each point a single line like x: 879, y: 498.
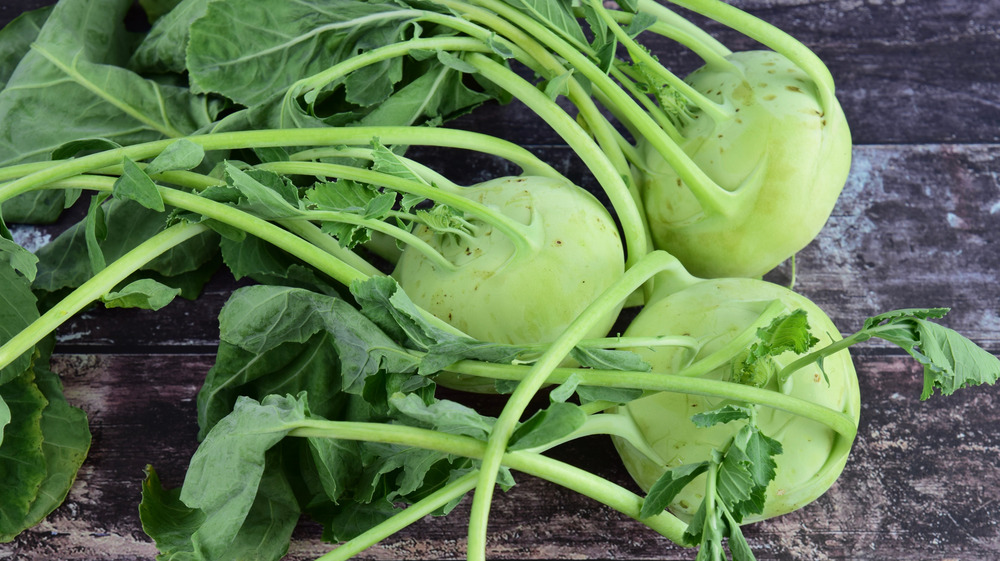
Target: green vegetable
x: 491, y: 292
x: 778, y: 161
x: 271, y: 139
x: 724, y: 316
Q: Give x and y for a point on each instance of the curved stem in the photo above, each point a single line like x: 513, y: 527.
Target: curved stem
x: 670, y: 24
x: 410, y: 515
x: 838, y: 421
x: 515, y: 231
x: 555, y: 471
x: 597, y: 160
x: 97, y: 286
x: 713, y: 198
x: 633, y: 278
x: 772, y: 37
x: 310, y: 86
x: 268, y: 138
x: 423, y: 172
x: 379, y: 226
x: 716, y: 112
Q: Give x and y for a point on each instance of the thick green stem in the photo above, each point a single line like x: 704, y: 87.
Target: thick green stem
x: 423, y: 172
x: 772, y: 37
x: 310, y: 86
x: 97, y: 286
x: 670, y: 24
x: 713, y: 110
x: 838, y: 421
x: 267, y: 138
x: 633, y: 224
x: 712, y: 197
x: 633, y: 278
x: 377, y: 226
x: 819, y: 354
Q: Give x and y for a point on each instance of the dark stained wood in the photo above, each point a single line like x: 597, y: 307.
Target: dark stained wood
x: 918, y: 225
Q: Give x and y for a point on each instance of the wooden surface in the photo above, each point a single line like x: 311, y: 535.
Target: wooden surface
x: 918, y: 225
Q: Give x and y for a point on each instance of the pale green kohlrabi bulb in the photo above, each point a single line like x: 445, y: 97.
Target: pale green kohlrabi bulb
x: 714, y: 312
x: 780, y: 160
x: 500, y: 295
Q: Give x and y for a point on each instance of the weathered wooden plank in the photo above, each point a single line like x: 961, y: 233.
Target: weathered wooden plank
x: 923, y: 480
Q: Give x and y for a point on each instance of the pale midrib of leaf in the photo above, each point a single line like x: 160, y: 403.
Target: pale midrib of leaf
x: 70, y: 70
x: 348, y: 24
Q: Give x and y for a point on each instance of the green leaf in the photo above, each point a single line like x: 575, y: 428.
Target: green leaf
x: 349, y: 197
x: 386, y: 161
x: 65, y: 443
x: 17, y: 311
x: 558, y: 86
x: 227, y: 470
x: 788, y: 332
x: 135, y: 185
x: 16, y: 38
x: 605, y: 359
x: 259, y: 318
x: 746, y: 471
x: 22, y: 460
x: 268, y: 195
x: 263, y: 262
x: 455, y: 63
x: 951, y: 361
x: 249, y: 52
x: 663, y: 491
x: 289, y: 368
x: 442, y: 415
x: 167, y: 520
x: 553, y: 423
x: 96, y: 231
x: 64, y: 263
x: 78, y: 55
x: 555, y: 14
x: 181, y: 154
x: 18, y: 258
x: 163, y: 48
x: 80, y: 146
x: 724, y: 414
x: 147, y: 294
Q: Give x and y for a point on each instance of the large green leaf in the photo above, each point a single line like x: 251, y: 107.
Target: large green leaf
x: 22, y: 459
x: 249, y: 51
x: 228, y: 469
x: 71, y: 85
x: 65, y: 442
x: 63, y: 262
x: 259, y: 318
x: 163, y: 48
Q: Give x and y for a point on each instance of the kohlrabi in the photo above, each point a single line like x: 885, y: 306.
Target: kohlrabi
x: 560, y: 250
x: 724, y: 316
x: 778, y: 162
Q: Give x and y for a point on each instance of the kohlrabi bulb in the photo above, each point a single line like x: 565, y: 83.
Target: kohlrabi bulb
x: 528, y: 296
x: 780, y: 161
x: 714, y: 312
